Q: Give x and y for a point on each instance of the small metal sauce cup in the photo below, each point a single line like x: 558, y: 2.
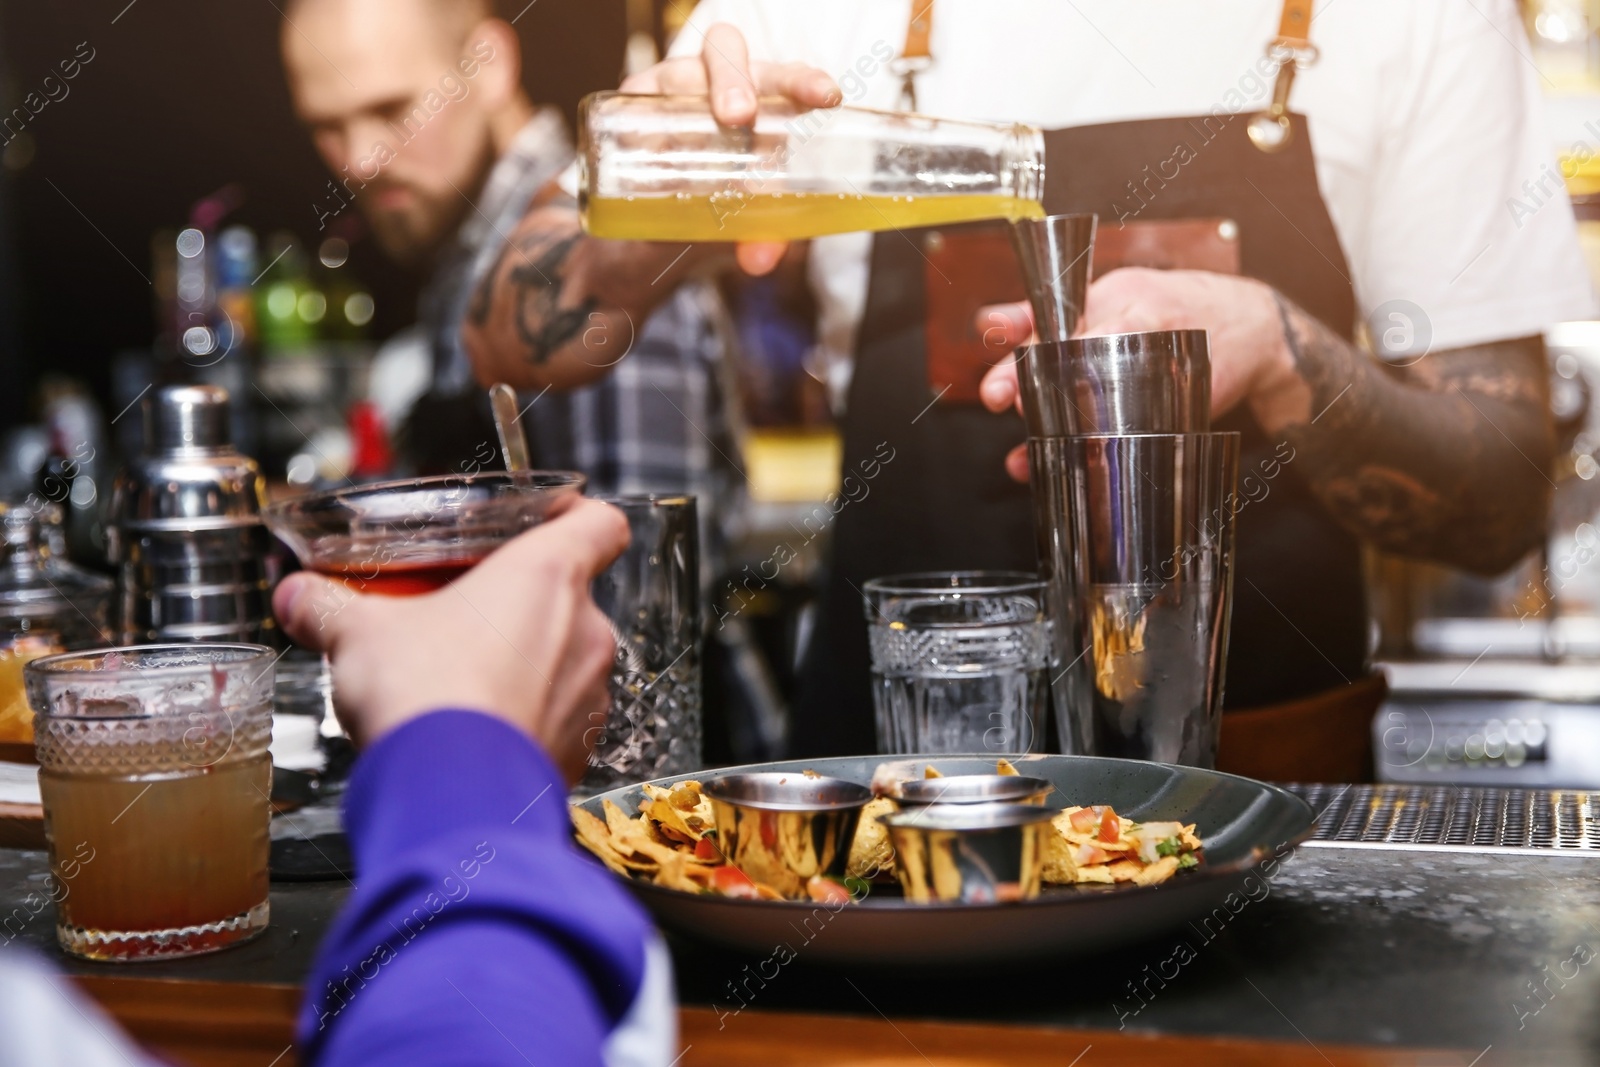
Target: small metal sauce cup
x: 971, y: 789
x: 785, y: 828
x: 969, y: 853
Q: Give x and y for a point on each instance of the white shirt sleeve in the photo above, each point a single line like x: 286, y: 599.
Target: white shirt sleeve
x: 46, y: 1022
x: 744, y: 15
x: 1468, y: 220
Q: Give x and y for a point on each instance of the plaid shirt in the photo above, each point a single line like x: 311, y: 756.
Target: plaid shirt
x: 658, y: 422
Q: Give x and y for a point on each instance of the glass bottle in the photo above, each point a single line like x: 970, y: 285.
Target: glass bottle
x: 660, y: 168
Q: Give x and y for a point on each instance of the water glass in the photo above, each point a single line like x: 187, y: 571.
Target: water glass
x: 154, y: 766
x: 652, y: 597
x: 959, y: 661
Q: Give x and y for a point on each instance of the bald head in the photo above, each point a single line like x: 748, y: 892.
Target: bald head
x: 451, y: 20
x: 406, y: 101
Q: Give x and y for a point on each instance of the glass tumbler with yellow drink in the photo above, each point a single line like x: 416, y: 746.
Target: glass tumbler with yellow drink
x: 156, y: 780
x: 660, y: 168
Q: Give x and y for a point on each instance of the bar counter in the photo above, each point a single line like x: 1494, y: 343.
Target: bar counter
x: 1356, y: 955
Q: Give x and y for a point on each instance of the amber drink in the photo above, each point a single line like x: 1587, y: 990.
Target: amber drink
x: 661, y: 168
x: 156, y: 783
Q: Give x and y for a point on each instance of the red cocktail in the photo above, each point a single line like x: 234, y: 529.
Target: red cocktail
x: 407, y: 578
x: 411, y: 537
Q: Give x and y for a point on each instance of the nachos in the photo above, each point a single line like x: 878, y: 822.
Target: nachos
x: 672, y: 842
x: 1095, y: 844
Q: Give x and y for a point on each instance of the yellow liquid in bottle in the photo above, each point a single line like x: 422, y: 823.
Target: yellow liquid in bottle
x: 787, y: 216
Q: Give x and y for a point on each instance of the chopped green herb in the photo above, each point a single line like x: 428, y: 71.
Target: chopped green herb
x: 1169, y: 847
x: 1186, y: 861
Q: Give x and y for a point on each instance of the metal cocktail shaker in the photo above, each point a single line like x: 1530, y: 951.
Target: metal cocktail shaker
x: 1133, y: 515
x: 186, y: 537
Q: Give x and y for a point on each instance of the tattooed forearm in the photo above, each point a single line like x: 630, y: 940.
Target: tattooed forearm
x: 559, y: 308
x: 537, y: 283
x: 1446, y: 460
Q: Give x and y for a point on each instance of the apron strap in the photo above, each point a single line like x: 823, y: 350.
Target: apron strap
x: 1271, y: 130
x: 915, y: 57
x: 1294, y: 28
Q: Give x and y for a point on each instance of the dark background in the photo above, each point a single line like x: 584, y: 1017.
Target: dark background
x: 182, y: 98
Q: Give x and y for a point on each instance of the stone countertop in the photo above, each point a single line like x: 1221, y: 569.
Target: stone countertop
x: 1352, y: 946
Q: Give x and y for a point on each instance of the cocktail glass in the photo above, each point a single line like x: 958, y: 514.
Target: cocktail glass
x: 407, y: 537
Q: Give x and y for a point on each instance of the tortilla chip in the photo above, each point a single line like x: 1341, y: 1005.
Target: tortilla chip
x: 681, y: 872
x: 1059, y: 867
x: 1005, y: 769
x: 871, y: 853
x: 591, y: 831
x: 618, y: 823
x: 1125, y: 870
x: 593, y: 835
x: 1098, y: 873
x: 931, y: 772
x: 1157, y: 872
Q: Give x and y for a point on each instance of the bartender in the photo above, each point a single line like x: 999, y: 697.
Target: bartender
x: 1378, y: 191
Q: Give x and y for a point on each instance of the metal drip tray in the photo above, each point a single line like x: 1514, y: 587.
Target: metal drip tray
x: 1454, y: 818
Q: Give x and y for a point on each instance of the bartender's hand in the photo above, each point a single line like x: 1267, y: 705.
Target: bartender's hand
x: 724, y: 72
x: 1250, y: 361
x: 517, y: 637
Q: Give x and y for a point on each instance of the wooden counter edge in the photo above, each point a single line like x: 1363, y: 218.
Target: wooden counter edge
x: 243, y: 1024
x: 781, y: 1039
x: 205, y: 1024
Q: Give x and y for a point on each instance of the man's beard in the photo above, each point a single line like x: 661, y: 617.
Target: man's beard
x: 415, y: 236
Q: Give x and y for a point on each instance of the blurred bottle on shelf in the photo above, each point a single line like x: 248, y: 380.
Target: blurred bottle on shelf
x: 75, y: 471
x: 237, y: 266
x: 288, y: 309
x: 371, y: 452
x: 349, y: 306
x: 314, y: 319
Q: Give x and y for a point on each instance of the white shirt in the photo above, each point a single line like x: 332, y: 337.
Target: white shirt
x: 1424, y: 115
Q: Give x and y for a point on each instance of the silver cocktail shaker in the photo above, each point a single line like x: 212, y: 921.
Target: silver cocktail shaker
x: 1134, y: 500
x: 192, y: 556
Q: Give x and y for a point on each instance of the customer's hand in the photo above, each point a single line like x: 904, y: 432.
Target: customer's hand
x: 723, y: 71
x: 1250, y: 361
x: 517, y: 637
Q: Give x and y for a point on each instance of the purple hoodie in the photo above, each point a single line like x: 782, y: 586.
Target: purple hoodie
x: 478, y: 934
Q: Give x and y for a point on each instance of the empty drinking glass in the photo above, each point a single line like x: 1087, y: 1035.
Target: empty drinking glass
x: 651, y: 594
x: 959, y: 661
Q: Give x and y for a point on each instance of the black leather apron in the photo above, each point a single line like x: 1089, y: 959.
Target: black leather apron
x: 945, y: 502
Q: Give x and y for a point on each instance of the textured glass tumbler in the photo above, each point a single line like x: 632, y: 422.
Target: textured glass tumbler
x: 652, y: 597
x: 156, y: 778
x: 959, y: 661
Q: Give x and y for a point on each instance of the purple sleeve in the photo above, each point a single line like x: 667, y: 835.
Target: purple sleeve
x: 477, y: 933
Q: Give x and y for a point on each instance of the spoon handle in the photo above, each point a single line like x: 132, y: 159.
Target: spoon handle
x: 508, y: 425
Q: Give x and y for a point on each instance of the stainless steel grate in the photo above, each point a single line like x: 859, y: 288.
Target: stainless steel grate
x: 1453, y: 817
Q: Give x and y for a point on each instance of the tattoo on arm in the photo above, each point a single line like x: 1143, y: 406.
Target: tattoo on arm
x: 550, y: 285
x: 537, y: 284
x: 1447, y: 459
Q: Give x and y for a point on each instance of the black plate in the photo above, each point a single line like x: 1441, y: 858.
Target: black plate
x: 1242, y: 822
